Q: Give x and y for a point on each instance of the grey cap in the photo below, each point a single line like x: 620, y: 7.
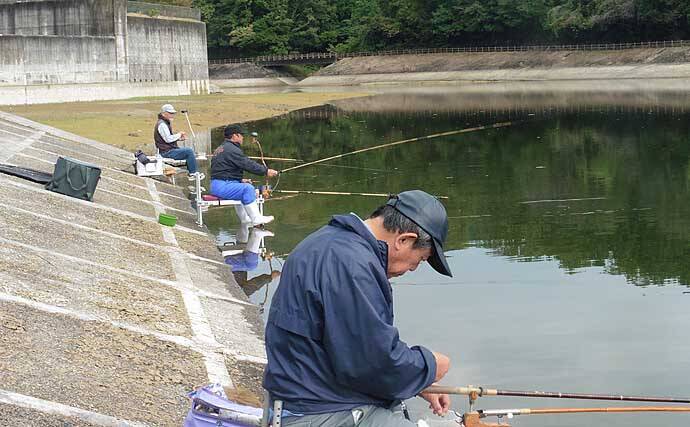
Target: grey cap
x: 168, y: 108
x: 429, y: 214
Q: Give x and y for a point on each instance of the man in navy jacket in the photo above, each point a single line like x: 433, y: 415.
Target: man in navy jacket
x: 334, y: 356
x: 227, y: 168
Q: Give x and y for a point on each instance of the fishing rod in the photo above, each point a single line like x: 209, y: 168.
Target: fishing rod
x: 266, y: 189
x: 475, y: 392
x: 194, y: 142
x: 277, y: 159
x: 340, y: 193
x: 539, y: 411
x: 473, y: 419
x: 391, y: 144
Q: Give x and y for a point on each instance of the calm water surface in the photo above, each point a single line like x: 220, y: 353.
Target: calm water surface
x: 569, y: 234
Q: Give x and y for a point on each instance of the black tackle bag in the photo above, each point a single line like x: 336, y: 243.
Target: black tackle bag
x: 74, y: 178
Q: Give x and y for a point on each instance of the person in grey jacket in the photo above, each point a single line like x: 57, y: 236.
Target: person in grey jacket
x: 227, y: 169
x: 166, y: 141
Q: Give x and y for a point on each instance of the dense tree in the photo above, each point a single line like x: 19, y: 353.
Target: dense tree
x: 249, y: 27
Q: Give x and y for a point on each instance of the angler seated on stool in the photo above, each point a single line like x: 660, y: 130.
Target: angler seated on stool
x: 166, y: 141
x: 227, y: 168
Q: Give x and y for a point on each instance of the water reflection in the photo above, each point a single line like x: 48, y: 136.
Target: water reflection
x: 245, y: 255
x: 589, y: 184
x: 552, y: 219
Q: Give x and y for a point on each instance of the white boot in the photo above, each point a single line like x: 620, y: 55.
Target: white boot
x: 255, y: 238
x: 242, y: 214
x: 243, y: 233
x: 255, y: 215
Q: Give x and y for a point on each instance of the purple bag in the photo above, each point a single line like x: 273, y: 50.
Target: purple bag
x: 214, y: 410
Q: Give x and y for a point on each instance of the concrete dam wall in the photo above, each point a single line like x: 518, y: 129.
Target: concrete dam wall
x: 84, y: 50
x: 162, y: 50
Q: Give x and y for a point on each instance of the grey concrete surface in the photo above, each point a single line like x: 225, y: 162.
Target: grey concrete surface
x: 16, y: 416
x: 75, y: 50
x: 179, y: 46
x: 654, y: 71
x: 106, y: 316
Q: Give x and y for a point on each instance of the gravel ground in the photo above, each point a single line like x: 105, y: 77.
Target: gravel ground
x: 16, y: 416
x: 95, y: 247
x: 52, y: 280
x: 63, y: 283
x: 96, y: 367
x: 203, y: 246
x: 96, y: 218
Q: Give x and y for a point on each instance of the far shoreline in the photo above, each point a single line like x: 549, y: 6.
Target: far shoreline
x: 128, y: 123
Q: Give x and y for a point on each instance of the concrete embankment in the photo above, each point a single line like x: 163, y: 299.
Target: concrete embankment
x: 107, y: 317
x: 230, y: 76
x: 661, y: 63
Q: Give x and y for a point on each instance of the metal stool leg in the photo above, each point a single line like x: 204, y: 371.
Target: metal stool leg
x: 199, y: 212
x: 277, y: 413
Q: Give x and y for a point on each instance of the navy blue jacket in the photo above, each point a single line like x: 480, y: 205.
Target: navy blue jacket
x: 229, y: 163
x: 330, y: 339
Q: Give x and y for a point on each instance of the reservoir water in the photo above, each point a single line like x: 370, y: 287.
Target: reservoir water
x: 569, y: 234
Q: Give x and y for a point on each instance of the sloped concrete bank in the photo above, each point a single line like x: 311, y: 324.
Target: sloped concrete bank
x: 246, y: 75
x: 107, y: 317
x: 662, y: 63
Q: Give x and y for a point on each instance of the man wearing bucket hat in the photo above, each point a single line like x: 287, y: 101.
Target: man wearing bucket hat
x: 166, y: 141
x: 227, y: 169
x: 334, y: 356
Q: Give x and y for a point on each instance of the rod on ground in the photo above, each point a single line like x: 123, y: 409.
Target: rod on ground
x: 480, y: 391
x: 340, y: 193
x: 391, y: 144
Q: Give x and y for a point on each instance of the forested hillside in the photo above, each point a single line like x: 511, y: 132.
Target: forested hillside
x: 250, y: 27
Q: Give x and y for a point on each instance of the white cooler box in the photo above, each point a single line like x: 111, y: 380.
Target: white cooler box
x: 154, y: 167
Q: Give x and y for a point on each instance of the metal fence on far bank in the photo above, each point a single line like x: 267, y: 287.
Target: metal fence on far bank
x: 334, y: 56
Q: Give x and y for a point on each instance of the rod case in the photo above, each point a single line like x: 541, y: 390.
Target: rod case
x: 74, y: 178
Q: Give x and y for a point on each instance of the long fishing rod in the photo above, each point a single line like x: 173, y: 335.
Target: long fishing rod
x: 539, y: 411
x: 481, y: 391
x: 277, y: 159
x: 194, y: 140
x: 391, y: 144
x: 340, y: 193
x: 473, y: 418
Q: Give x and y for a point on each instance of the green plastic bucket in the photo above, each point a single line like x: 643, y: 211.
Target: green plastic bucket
x: 169, y: 220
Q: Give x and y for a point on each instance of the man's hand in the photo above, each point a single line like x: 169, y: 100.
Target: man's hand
x: 271, y: 172
x: 183, y: 136
x: 439, y: 403
x: 442, y: 365
x: 246, y: 181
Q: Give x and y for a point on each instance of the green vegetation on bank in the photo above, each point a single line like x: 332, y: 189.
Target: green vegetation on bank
x: 242, y: 28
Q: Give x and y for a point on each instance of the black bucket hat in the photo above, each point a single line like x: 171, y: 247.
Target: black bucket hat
x: 429, y: 214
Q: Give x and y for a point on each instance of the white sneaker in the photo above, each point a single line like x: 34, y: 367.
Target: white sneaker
x: 192, y: 176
